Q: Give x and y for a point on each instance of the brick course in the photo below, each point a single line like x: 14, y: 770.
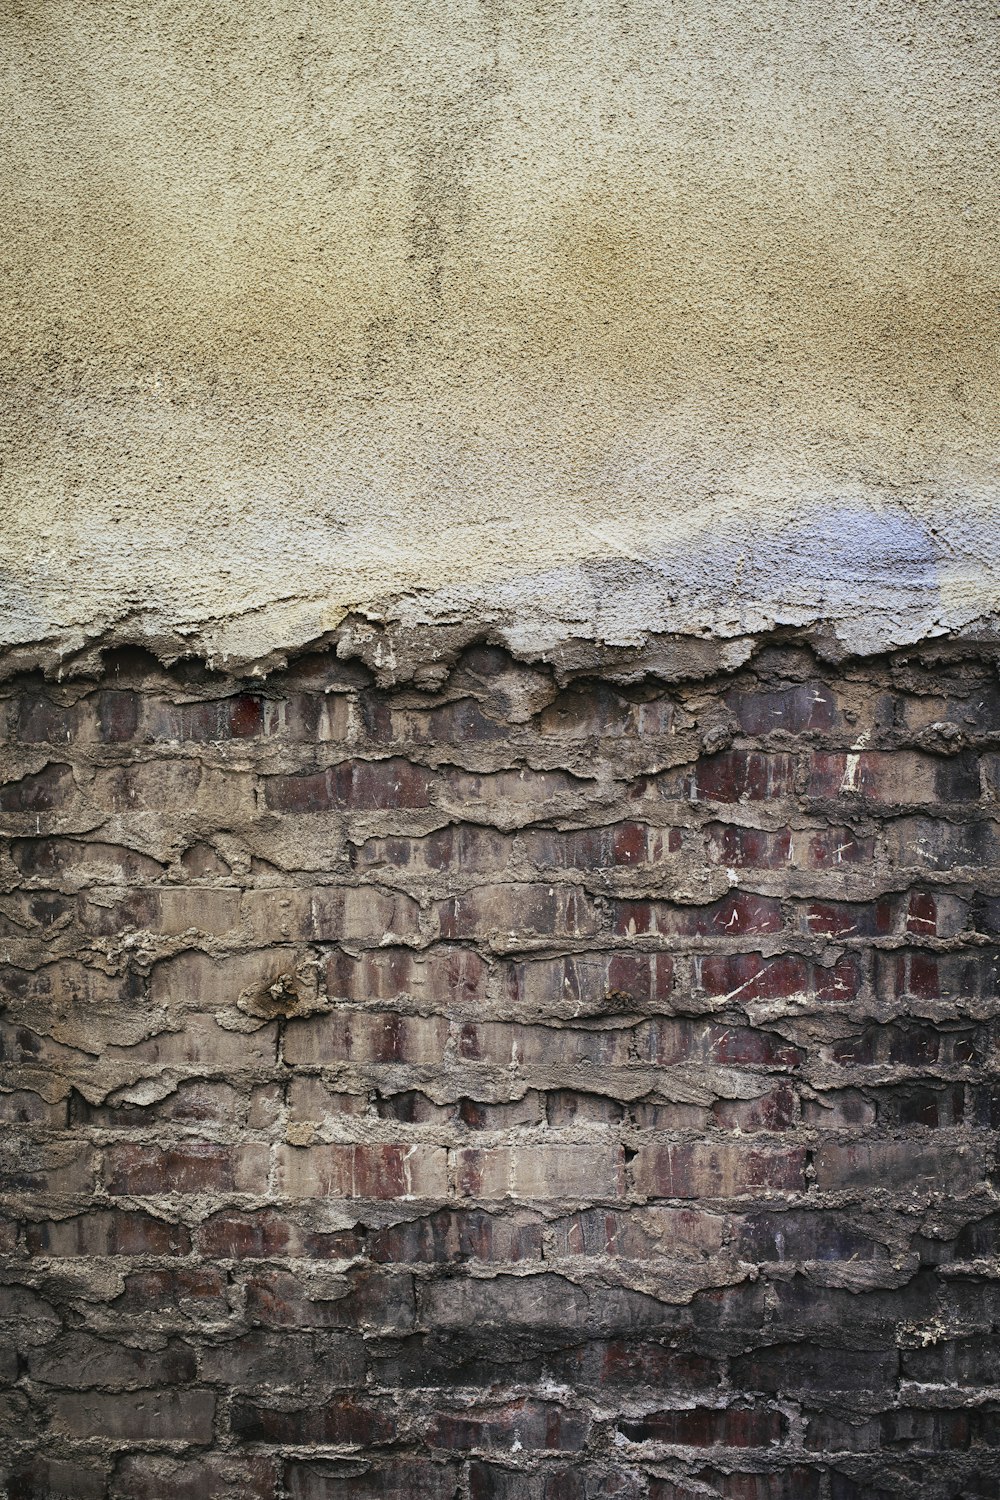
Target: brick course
x: 402, y: 1097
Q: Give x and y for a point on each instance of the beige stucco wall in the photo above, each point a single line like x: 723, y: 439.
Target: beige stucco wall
x: 579, y: 319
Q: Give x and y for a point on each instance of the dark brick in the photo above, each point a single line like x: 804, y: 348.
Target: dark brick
x: 346, y: 1422
x: 707, y: 1427
x: 45, y: 791
x: 744, y: 776
x: 352, y: 785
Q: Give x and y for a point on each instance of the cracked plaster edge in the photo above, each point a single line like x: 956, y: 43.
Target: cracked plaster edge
x: 416, y: 638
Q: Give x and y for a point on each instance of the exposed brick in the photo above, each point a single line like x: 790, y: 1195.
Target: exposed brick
x: 625, y: 845
x: 815, y: 1367
x: 80, y: 1359
x: 223, y: 1476
x: 584, y: 982
x: 723, y: 1171
x: 707, y: 1427
x: 351, y: 786
x: 330, y: 914
x: 184, y: 1416
x: 45, y: 791
x: 398, y: 1129
x: 556, y: 1171
x: 743, y: 776
x: 459, y: 847
x: 899, y: 1165
x: 518, y: 911
x: 451, y: 1236
x: 122, y: 1232
x: 345, y: 1422
x: 194, y: 1167
x: 519, y: 1425
x: 366, y: 1037
x: 733, y: 916
x: 900, y: 778
x: 750, y: 976
x: 387, y: 1479
x: 439, y: 976
x: 414, y: 1171
x: 796, y: 709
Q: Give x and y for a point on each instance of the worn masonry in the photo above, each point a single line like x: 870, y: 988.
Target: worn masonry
x: 527, y: 1081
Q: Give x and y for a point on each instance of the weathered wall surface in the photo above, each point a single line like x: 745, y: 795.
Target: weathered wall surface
x: 578, y: 320
x: 516, y: 1091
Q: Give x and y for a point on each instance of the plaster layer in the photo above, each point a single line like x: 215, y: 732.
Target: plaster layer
x: 575, y: 321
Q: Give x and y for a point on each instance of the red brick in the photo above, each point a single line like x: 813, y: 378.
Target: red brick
x: 743, y: 776
x: 597, y: 710
x: 197, y: 982
x: 775, y: 1110
x: 122, y: 1232
x: 81, y: 1359
x: 185, y: 1416
x: 953, y: 976
x: 118, y: 716
x: 351, y: 786
x: 35, y: 1475
x: 366, y: 1037
x: 736, y: 914
x: 638, y: 1233
x: 60, y: 1167
x: 271, y: 1361
x: 503, y: 1043
x: 191, y: 1167
x: 910, y: 1043
x: 803, y: 1235
x: 786, y: 848
x: 39, y: 721
x: 791, y: 1483
x: 174, y: 788
x: 439, y: 976
x: 168, y: 910
x: 750, y: 976
x: 788, y: 1367
x: 175, y: 1298
x: 238, y: 1235
x: 725, y: 1171
x: 376, y: 1171
x: 901, y: 777
x: 674, y: 1040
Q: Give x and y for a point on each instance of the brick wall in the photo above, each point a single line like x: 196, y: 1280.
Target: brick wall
x: 528, y: 1088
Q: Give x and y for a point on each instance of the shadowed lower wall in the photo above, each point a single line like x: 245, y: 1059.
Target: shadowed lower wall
x: 536, y: 1085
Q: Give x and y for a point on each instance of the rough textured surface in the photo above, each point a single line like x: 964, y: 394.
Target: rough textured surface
x: 531, y: 1086
x: 586, y: 320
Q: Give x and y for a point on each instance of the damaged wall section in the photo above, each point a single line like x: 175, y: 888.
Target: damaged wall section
x: 524, y: 1088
